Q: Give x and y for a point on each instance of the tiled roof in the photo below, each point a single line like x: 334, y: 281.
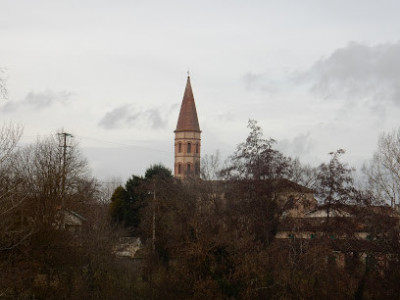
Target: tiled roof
x: 187, y: 120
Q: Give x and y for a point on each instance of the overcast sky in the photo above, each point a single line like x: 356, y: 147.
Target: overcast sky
x: 317, y: 75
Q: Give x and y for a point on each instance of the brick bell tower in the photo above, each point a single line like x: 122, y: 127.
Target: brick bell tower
x: 187, y: 137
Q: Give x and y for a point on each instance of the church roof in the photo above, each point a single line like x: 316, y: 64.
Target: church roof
x: 187, y: 120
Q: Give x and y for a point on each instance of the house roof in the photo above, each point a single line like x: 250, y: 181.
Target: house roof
x: 75, y: 214
x: 187, y: 120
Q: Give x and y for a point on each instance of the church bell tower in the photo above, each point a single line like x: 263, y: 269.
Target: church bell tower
x: 187, y: 137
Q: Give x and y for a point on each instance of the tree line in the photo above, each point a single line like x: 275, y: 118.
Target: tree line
x: 202, y: 239
x: 216, y: 239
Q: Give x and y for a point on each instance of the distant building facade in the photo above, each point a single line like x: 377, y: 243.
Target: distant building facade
x: 187, y: 137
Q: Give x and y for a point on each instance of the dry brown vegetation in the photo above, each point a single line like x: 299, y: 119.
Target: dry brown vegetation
x: 202, y: 239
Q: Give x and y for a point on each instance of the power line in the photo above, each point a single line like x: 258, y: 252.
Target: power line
x: 105, y: 141
x: 121, y: 144
x: 124, y: 144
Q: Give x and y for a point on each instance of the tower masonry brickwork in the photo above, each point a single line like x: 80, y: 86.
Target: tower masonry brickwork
x: 187, y: 137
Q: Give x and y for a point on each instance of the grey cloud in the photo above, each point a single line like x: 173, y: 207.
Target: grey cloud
x: 357, y: 71
x: 117, y: 117
x: 127, y: 116
x: 173, y: 107
x: 155, y: 118
x: 260, y: 82
x: 38, y: 101
x: 300, y: 145
x: 10, y: 106
x: 251, y: 80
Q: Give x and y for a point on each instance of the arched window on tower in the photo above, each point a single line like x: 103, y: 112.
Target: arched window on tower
x: 188, y: 168
x: 197, y: 168
x: 180, y: 147
x: 189, y: 148
x: 179, y: 169
x: 197, y: 148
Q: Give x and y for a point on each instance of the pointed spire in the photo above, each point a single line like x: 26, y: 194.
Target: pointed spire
x: 187, y: 120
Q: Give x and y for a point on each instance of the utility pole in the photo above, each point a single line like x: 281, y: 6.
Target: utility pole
x: 64, y: 169
x: 154, y: 220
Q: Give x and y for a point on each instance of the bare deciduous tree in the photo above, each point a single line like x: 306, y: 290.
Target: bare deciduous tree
x: 107, y: 188
x: 31, y: 182
x: 3, y: 90
x: 256, y: 159
x: 383, y: 171
x: 210, y: 166
x: 335, y: 182
x: 10, y: 198
x: 9, y: 137
x: 304, y: 175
